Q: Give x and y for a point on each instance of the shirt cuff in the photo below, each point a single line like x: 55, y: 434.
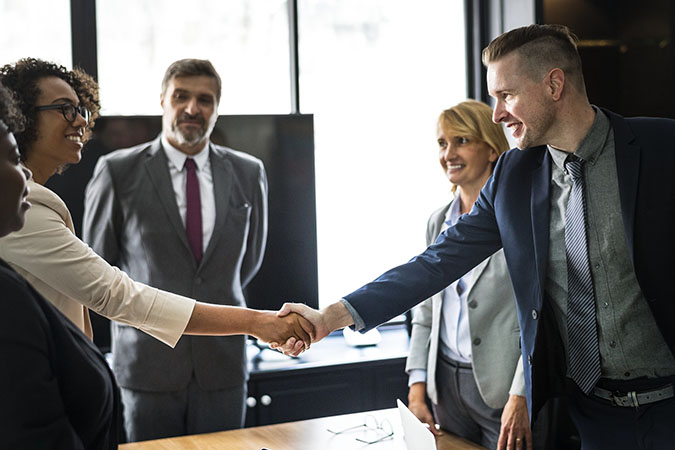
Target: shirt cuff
x: 417, y: 376
x: 359, y: 324
x: 168, y: 317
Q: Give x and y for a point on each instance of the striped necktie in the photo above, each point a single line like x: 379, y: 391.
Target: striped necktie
x: 583, y: 353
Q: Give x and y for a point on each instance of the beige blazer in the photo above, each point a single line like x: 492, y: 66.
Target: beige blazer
x: 493, y: 325
x: 72, y: 277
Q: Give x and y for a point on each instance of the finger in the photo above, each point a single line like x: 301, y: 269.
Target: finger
x: 273, y: 345
x: 432, y: 427
x: 289, y: 345
x: 308, y: 327
x: 300, y: 331
x: 296, y: 350
x: 285, y: 309
x: 502, y: 442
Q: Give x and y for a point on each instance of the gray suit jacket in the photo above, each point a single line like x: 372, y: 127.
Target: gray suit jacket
x: 493, y: 324
x: 131, y: 219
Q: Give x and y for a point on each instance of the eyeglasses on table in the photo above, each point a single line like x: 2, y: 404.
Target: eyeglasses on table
x: 382, y: 429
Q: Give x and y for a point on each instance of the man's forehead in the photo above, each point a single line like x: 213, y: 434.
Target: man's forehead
x: 197, y: 83
x: 503, y: 71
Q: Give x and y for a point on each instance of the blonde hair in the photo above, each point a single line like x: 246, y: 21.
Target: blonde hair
x: 473, y: 119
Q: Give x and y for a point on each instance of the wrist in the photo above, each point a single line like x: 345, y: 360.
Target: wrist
x: 417, y: 393
x: 336, y: 316
x: 255, y: 322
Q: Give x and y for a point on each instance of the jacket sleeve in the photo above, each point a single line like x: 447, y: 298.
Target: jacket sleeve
x: 458, y: 249
x: 257, y: 235
x: 518, y: 384
x: 102, y: 217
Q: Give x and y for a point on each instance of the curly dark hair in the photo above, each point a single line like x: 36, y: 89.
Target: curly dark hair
x: 10, y: 114
x: 22, y: 79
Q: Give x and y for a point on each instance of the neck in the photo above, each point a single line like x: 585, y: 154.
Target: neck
x: 41, y: 171
x: 467, y: 198
x: 574, y: 125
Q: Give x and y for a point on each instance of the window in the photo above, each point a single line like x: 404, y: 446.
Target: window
x: 246, y: 40
x: 36, y: 29
x: 376, y: 75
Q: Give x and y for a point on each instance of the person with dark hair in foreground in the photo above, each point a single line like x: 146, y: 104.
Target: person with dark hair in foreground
x: 56, y: 388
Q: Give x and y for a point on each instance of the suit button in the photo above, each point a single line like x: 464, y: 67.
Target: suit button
x: 473, y: 304
x: 612, y: 344
x: 476, y: 341
x: 198, y: 280
x: 535, y: 314
x: 529, y: 359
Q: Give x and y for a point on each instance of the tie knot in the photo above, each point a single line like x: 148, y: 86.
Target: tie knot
x: 574, y: 166
x: 190, y: 165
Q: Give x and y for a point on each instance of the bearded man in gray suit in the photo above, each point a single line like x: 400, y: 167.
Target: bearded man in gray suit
x: 184, y: 215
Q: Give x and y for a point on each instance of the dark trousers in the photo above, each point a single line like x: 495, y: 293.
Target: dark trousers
x: 155, y: 415
x: 603, y: 426
x: 462, y: 411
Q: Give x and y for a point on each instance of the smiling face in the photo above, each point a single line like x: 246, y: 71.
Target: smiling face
x: 466, y: 161
x: 521, y: 102
x: 58, y: 142
x: 13, y: 189
x: 190, y: 111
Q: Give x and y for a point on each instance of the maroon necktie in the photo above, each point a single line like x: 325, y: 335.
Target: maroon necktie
x: 193, y: 215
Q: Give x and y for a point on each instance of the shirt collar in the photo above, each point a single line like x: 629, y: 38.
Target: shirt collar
x: 453, y: 212
x: 590, y: 146
x: 177, y: 158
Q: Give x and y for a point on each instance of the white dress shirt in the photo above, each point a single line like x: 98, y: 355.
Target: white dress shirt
x: 455, y: 338
x: 178, y: 179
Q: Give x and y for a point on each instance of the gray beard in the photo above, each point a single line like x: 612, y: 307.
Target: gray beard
x: 187, y: 139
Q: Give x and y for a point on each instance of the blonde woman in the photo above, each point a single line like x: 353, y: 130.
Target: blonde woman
x: 464, y: 349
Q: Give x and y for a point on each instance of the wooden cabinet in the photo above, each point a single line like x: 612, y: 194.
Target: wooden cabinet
x: 331, y: 378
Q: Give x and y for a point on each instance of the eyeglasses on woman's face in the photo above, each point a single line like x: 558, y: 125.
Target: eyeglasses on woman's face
x: 68, y: 110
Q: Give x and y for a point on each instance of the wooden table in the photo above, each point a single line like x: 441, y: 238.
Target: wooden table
x: 302, y: 435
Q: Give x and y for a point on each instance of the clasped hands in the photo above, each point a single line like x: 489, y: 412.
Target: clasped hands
x: 297, y: 326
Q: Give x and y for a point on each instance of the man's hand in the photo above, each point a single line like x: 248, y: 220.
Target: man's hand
x: 329, y: 319
x: 515, y: 431
x: 418, y: 406
x: 316, y: 318
x: 293, y: 329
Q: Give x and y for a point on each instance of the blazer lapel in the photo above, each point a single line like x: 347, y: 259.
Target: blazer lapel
x: 539, y: 213
x: 627, y: 170
x: 157, y: 168
x: 221, y: 170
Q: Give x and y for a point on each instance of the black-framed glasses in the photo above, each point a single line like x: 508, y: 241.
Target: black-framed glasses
x: 68, y: 110
x: 375, y: 431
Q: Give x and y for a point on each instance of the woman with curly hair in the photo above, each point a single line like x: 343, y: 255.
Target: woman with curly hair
x: 57, y: 390
x: 60, y: 107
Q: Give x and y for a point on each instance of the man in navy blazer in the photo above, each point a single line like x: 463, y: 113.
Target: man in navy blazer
x: 534, y: 75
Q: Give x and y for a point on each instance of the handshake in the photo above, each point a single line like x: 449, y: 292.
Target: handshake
x: 295, y: 326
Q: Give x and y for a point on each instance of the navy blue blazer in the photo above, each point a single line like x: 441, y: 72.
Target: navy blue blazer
x: 512, y: 212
